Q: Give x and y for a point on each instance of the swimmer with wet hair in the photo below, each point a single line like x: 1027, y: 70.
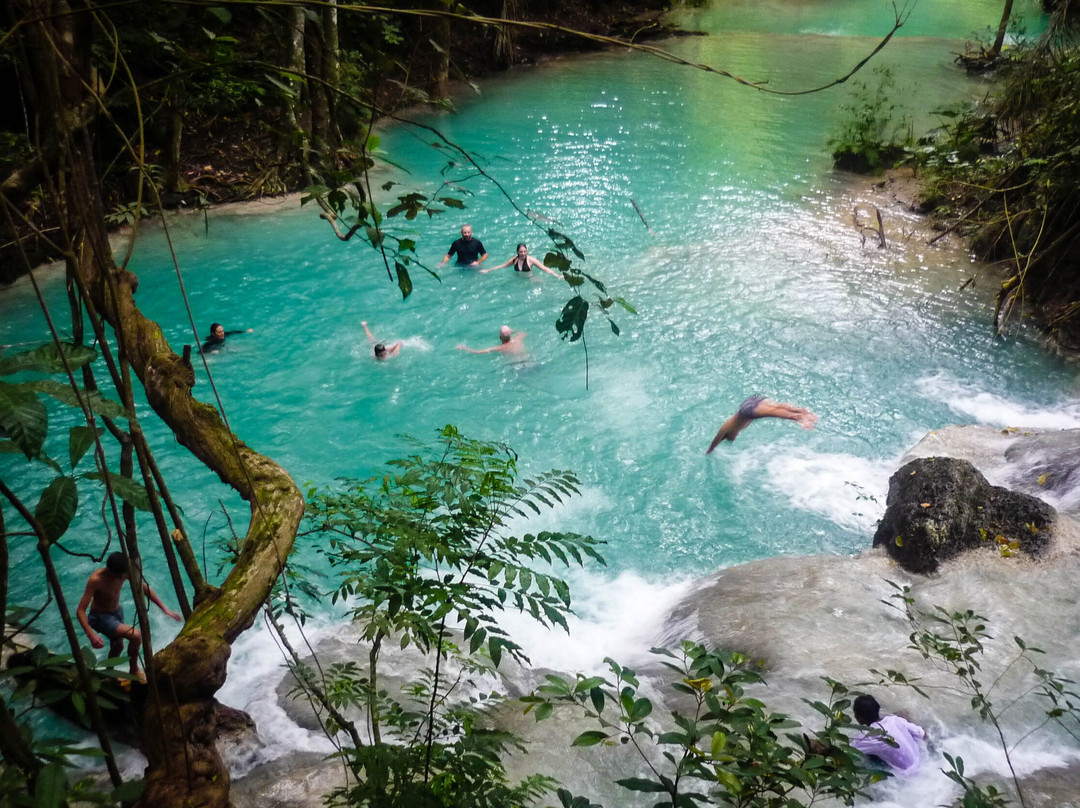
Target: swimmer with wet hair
x: 216, y: 340
x: 757, y: 407
x: 511, y: 343
x: 381, y: 350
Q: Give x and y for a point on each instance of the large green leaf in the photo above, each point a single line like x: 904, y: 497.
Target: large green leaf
x: 641, y: 784
x: 403, y: 280
x: 65, y: 393
x: 571, y: 322
x: 81, y: 439
x: 47, y: 359
x: 50, y: 787
x: 23, y: 419
x: 132, y: 492
x: 590, y: 738
x: 57, y: 506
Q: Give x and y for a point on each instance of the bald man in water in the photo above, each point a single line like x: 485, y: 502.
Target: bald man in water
x: 511, y: 344
x: 470, y: 251
x: 757, y: 407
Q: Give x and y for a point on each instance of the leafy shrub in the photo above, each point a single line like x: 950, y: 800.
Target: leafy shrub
x: 427, y: 559
x: 721, y: 747
x: 871, y: 136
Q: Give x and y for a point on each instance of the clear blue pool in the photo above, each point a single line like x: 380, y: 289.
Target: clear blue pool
x: 753, y: 279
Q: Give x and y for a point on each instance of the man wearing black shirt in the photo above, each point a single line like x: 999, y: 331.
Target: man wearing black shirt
x: 469, y: 251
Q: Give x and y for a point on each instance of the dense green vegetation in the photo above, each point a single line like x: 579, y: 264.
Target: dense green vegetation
x: 1007, y: 175
x: 1004, y: 173
x: 871, y: 136
x: 214, y: 102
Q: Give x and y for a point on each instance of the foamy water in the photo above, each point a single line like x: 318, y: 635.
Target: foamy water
x: 982, y: 407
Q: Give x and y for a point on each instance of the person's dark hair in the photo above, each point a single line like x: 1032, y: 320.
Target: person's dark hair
x: 380, y: 349
x: 117, y: 564
x: 522, y: 244
x: 867, y: 709
x: 214, y: 327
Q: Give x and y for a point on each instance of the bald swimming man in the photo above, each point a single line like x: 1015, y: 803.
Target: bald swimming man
x: 511, y: 344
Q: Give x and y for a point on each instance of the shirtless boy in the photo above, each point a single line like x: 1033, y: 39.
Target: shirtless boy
x: 102, y: 596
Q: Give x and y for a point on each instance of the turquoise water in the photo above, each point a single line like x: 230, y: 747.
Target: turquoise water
x: 752, y: 279
x: 940, y: 19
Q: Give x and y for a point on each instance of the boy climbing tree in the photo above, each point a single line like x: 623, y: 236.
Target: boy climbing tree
x: 106, y: 615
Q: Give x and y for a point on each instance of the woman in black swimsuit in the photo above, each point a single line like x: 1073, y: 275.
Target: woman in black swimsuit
x: 523, y: 262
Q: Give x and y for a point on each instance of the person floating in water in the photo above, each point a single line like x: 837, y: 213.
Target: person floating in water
x: 523, y: 262
x: 511, y: 344
x: 216, y: 340
x: 898, y: 746
x: 469, y: 251
x: 757, y: 407
x: 381, y: 351
x: 106, y: 616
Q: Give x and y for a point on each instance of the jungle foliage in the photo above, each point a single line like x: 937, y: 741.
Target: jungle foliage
x: 1004, y: 173
x: 719, y: 745
x: 1007, y: 175
x: 426, y: 558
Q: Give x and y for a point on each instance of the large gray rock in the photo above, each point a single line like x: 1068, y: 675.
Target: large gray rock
x: 938, y: 507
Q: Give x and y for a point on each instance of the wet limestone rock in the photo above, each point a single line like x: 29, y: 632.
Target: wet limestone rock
x: 938, y: 507
x: 1048, y: 463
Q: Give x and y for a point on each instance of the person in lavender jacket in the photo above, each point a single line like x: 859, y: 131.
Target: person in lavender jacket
x: 898, y: 746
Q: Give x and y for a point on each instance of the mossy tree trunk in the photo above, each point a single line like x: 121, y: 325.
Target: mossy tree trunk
x: 331, y: 70
x: 294, y: 138
x: 184, y: 768
x: 324, y: 67
x: 174, y: 180
x: 439, y: 85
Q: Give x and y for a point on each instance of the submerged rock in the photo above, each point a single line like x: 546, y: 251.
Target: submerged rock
x: 938, y: 507
x: 1048, y: 465
x: 301, y: 780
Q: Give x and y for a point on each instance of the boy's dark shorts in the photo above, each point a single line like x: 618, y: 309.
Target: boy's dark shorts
x: 107, y: 623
